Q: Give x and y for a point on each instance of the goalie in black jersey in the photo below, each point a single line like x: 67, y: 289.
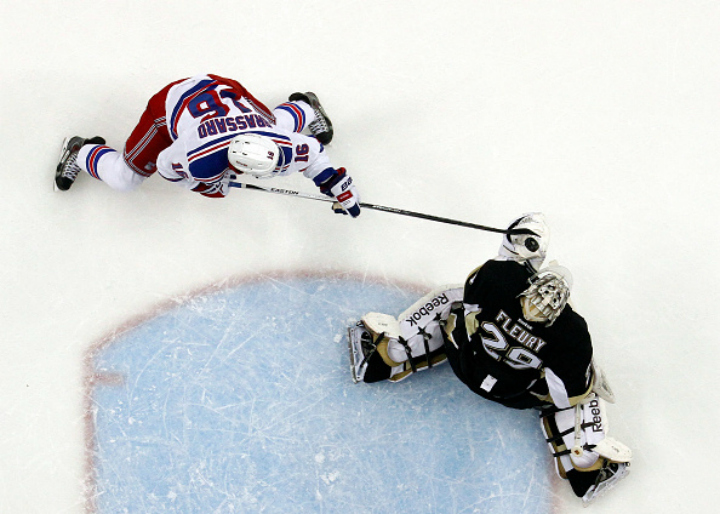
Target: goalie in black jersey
x: 511, y: 337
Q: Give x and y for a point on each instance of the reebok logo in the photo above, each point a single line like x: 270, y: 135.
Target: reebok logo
x: 594, y: 407
x: 427, y: 309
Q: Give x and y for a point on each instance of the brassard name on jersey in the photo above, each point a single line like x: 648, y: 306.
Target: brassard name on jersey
x: 221, y: 125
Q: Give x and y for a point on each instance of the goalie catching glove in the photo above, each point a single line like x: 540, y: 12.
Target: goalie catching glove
x: 527, y: 247
x: 340, y: 187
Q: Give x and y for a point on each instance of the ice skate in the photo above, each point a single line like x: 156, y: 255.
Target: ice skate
x: 362, y: 347
x: 67, y: 169
x: 608, y: 478
x: 321, y: 127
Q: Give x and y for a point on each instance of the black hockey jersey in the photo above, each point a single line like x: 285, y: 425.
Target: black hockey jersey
x: 501, y: 356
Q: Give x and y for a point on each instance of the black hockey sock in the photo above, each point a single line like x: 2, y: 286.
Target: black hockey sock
x: 581, y: 481
x: 376, y: 369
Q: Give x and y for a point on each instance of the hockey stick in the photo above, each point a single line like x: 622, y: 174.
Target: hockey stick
x: 323, y: 198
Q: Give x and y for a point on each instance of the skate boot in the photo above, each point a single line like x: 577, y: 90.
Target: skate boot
x: 321, y: 127
x: 362, y: 347
x: 608, y: 478
x: 67, y: 169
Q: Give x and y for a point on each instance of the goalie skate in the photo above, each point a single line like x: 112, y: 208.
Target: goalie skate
x: 608, y: 478
x: 362, y: 347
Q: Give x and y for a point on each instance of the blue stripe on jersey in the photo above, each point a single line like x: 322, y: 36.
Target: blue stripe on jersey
x: 208, y: 162
x: 209, y: 167
x: 272, y: 135
x: 222, y: 141
x: 286, y: 155
x: 324, y: 175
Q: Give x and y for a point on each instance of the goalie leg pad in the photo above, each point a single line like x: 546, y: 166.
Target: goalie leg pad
x: 369, y: 362
x: 429, y: 309
x: 420, y: 330
x: 412, y: 343
x: 383, y: 329
x: 368, y: 355
x: 408, y: 367
x: 379, y: 323
x: 559, y: 427
x: 599, y: 462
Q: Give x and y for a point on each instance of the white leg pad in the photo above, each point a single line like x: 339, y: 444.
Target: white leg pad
x: 379, y: 323
x: 583, y: 450
x: 424, y: 317
x: 613, y: 450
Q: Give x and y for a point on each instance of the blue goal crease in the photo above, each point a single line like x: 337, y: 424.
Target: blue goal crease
x: 240, y: 400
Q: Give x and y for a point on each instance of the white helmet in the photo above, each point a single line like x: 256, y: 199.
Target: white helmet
x: 547, y: 295
x: 254, y: 154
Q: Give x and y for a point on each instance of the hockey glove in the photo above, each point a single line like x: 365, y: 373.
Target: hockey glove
x: 218, y: 189
x: 527, y: 247
x: 340, y: 187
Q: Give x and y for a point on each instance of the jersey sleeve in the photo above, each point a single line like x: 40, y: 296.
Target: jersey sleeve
x: 568, y: 370
x: 174, y: 165
x: 307, y: 156
x: 483, y: 281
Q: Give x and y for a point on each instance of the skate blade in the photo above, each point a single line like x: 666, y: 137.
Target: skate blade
x: 607, y: 486
x: 63, y: 149
x: 357, y: 358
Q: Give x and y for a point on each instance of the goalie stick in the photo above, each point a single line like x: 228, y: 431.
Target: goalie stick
x: 323, y: 198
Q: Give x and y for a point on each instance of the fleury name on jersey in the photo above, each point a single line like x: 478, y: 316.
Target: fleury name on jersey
x: 516, y: 331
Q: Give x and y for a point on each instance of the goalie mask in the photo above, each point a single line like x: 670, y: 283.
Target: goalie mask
x: 253, y: 154
x: 547, y: 295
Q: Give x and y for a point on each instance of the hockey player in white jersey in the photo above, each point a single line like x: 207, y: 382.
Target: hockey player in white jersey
x: 509, y: 335
x: 201, y: 131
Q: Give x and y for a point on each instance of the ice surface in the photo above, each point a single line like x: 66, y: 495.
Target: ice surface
x: 603, y: 115
x: 240, y: 402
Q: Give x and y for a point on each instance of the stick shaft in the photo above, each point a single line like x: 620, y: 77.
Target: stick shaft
x: 402, y: 212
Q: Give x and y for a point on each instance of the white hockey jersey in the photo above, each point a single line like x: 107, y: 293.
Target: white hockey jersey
x: 204, y: 114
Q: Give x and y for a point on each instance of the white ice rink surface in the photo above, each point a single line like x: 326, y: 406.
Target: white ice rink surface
x: 603, y: 115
